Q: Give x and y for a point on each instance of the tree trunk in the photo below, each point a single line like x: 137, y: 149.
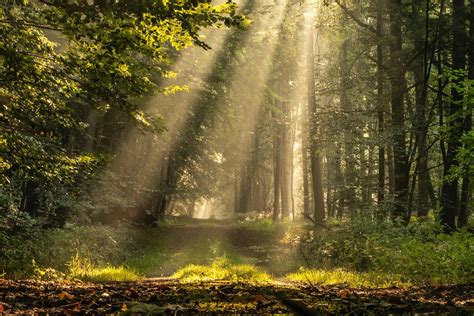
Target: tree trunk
x: 276, y: 164
x: 466, y: 183
x: 350, y: 159
x: 397, y: 82
x: 286, y: 163
x: 304, y: 163
x: 421, y: 73
x: 315, y: 160
x: 380, y: 106
x: 449, y: 189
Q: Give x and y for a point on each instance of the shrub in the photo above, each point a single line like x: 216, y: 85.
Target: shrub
x: 419, y: 252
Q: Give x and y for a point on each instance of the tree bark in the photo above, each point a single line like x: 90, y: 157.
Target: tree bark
x: 276, y: 164
x: 380, y: 106
x: 286, y: 163
x: 315, y: 160
x: 449, y: 188
x: 466, y: 181
x: 397, y: 82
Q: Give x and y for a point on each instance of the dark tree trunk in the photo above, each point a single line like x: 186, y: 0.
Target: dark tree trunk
x: 397, y: 82
x: 466, y: 181
x: 449, y: 189
x: 380, y: 105
x: 29, y: 201
x: 421, y: 73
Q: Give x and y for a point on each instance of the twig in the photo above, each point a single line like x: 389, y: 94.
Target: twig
x: 316, y: 223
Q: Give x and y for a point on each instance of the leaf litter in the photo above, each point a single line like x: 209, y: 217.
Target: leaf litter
x: 170, y: 297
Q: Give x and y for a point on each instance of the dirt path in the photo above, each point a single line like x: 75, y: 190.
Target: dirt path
x: 159, y: 297
x: 169, y: 248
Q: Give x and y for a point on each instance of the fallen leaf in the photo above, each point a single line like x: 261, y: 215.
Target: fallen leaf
x: 2, y: 309
x: 124, y: 307
x: 343, y: 293
x: 258, y: 298
x: 65, y: 296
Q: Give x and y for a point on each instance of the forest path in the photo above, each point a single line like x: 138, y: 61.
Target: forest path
x: 171, y: 297
x: 171, y: 247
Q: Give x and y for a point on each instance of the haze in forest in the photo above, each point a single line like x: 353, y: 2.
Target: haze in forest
x: 307, y: 142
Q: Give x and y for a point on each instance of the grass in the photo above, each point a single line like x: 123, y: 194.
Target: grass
x: 340, y: 276
x: 221, y: 269
x: 83, y: 269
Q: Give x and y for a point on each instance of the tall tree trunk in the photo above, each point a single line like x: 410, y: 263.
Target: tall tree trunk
x: 466, y: 183
x: 286, y: 163
x: 315, y: 159
x: 276, y: 163
x: 304, y: 164
x: 397, y: 82
x: 421, y: 73
x: 449, y: 188
x: 380, y: 105
x: 350, y: 159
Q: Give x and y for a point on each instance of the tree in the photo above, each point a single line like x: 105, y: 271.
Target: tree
x: 449, y: 189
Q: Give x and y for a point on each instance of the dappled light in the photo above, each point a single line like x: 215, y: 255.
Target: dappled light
x: 309, y: 157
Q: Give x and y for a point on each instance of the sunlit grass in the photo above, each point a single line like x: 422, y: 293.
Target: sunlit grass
x: 344, y: 277
x: 221, y: 269
x: 83, y: 269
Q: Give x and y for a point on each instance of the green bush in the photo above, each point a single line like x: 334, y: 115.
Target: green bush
x: 54, y: 249
x: 419, y: 252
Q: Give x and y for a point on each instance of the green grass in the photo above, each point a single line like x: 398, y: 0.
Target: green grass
x: 82, y: 269
x: 340, y: 276
x: 221, y: 269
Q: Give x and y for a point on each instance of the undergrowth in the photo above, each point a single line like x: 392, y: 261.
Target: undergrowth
x: 83, y: 269
x: 420, y: 252
x: 345, y: 277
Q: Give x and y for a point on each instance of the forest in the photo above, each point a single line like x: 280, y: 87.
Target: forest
x: 307, y: 157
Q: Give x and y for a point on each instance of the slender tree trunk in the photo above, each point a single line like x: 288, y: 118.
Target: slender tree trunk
x: 350, y: 159
x: 449, y: 189
x: 339, y: 182
x: 466, y: 181
x: 304, y: 163
x: 91, y: 130
x: 276, y: 164
x: 397, y: 81
x: 316, y: 174
x: 380, y: 105
x: 286, y: 162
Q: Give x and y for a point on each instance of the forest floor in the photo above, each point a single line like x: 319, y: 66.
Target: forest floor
x: 165, y: 296
x: 268, y: 248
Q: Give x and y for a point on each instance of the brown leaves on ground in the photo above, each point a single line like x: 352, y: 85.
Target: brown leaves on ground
x: 157, y: 297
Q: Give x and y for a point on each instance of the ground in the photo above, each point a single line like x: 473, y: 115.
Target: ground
x: 163, y: 296
x: 266, y: 248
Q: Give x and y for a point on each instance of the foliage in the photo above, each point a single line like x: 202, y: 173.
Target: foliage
x: 60, y: 62
x: 18, y: 233
x: 55, y: 249
x: 221, y: 269
x: 420, y: 252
